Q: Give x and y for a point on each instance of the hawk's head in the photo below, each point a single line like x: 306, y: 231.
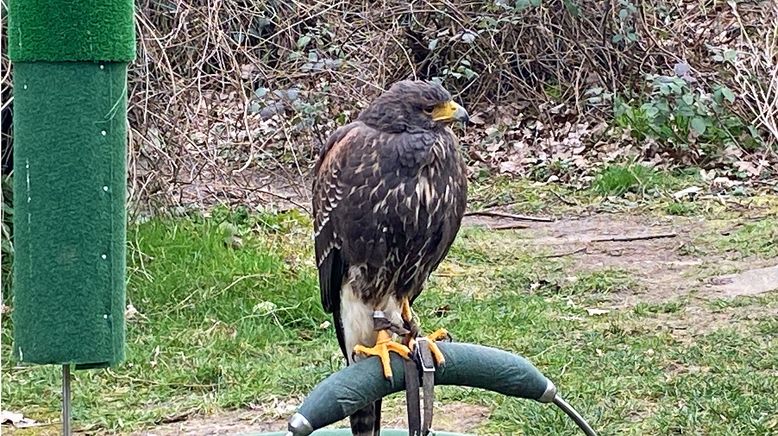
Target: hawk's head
x: 413, y: 105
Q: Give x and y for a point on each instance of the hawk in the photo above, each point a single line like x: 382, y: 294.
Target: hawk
x: 389, y: 193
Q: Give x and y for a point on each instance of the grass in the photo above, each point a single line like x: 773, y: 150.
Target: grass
x: 625, y: 185
x: 739, y: 239
x: 758, y: 238
x: 521, y: 195
x: 229, y: 318
x: 619, y: 179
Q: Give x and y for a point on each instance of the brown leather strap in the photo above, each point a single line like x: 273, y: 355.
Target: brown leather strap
x: 412, y: 400
x: 429, y: 400
x: 427, y: 367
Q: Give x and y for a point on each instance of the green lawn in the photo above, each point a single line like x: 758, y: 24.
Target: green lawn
x: 228, y: 317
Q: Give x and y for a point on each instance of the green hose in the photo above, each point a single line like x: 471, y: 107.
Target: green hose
x: 355, y: 386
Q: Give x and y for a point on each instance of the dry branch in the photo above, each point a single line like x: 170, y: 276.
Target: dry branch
x: 509, y: 216
x: 509, y: 227
x: 628, y: 238
x: 564, y: 254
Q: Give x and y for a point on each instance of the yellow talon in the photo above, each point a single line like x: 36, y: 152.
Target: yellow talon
x: 436, y: 354
x: 438, y: 335
x: 383, y: 346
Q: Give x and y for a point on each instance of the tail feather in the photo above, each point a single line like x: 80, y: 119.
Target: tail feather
x: 367, y: 421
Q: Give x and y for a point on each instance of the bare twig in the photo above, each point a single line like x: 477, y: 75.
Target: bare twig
x: 563, y: 199
x: 567, y: 253
x: 628, y: 238
x: 509, y: 227
x: 508, y: 215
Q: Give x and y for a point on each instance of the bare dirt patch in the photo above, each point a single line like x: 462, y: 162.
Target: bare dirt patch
x: 225, y: 423
x: 455, y: 417
x: 750, y: 282
x: 696, y: 321
x: 649, y: 248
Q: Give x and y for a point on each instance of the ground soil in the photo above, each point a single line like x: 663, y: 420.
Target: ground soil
x: 661, y: 267
x: 656, y: 255
x: 458, y: 417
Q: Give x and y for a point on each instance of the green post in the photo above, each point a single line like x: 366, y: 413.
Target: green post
x: 69, y: 62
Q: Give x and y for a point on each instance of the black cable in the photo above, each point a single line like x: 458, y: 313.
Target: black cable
x: 572, y: 413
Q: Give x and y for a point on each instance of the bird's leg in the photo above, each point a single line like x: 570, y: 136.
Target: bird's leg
x: 407, y: 315
x: 384, y: 343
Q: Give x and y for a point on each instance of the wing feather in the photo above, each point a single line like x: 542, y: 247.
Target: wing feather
x: 328, y: 191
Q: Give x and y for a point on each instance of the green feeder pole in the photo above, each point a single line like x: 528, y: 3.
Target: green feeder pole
x: 70, y: 62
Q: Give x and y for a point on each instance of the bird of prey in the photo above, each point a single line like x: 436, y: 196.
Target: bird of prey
x: 389, y: 193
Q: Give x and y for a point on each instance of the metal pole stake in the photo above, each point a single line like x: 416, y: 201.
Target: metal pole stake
x: 66, y: 400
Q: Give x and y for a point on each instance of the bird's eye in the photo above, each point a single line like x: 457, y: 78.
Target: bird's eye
x: 428, y: 110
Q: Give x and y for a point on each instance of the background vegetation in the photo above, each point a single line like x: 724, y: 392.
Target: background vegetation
x: 224, y: 94
x: 665, y: 109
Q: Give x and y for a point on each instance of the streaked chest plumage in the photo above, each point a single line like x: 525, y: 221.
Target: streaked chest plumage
x: 420, y: 213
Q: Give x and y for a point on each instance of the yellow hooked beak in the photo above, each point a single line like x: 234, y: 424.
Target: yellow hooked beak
x: 449, y: 111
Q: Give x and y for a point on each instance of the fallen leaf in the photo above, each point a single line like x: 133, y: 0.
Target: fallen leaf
x: 130, y: 312
x: 726, y: 182
x: 748, y: 167
x: 690, y: 191
x: 16, y: 419
x: 477, y: 120
x: 8, y: 417
x: 324, y: 325
x: 443, y: 310
x: 510, y: 167
x: 596, y: 312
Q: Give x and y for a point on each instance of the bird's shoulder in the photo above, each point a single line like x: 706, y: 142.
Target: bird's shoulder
x: 342, y: 143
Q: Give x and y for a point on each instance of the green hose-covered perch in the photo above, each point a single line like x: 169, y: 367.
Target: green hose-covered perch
x: 355, y: 386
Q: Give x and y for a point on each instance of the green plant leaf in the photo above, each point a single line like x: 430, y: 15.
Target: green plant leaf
x: 572, y: 7
x: 728, y: 94
x: 303, y: 41
x: 699, y: 124
x: 650, y: 109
